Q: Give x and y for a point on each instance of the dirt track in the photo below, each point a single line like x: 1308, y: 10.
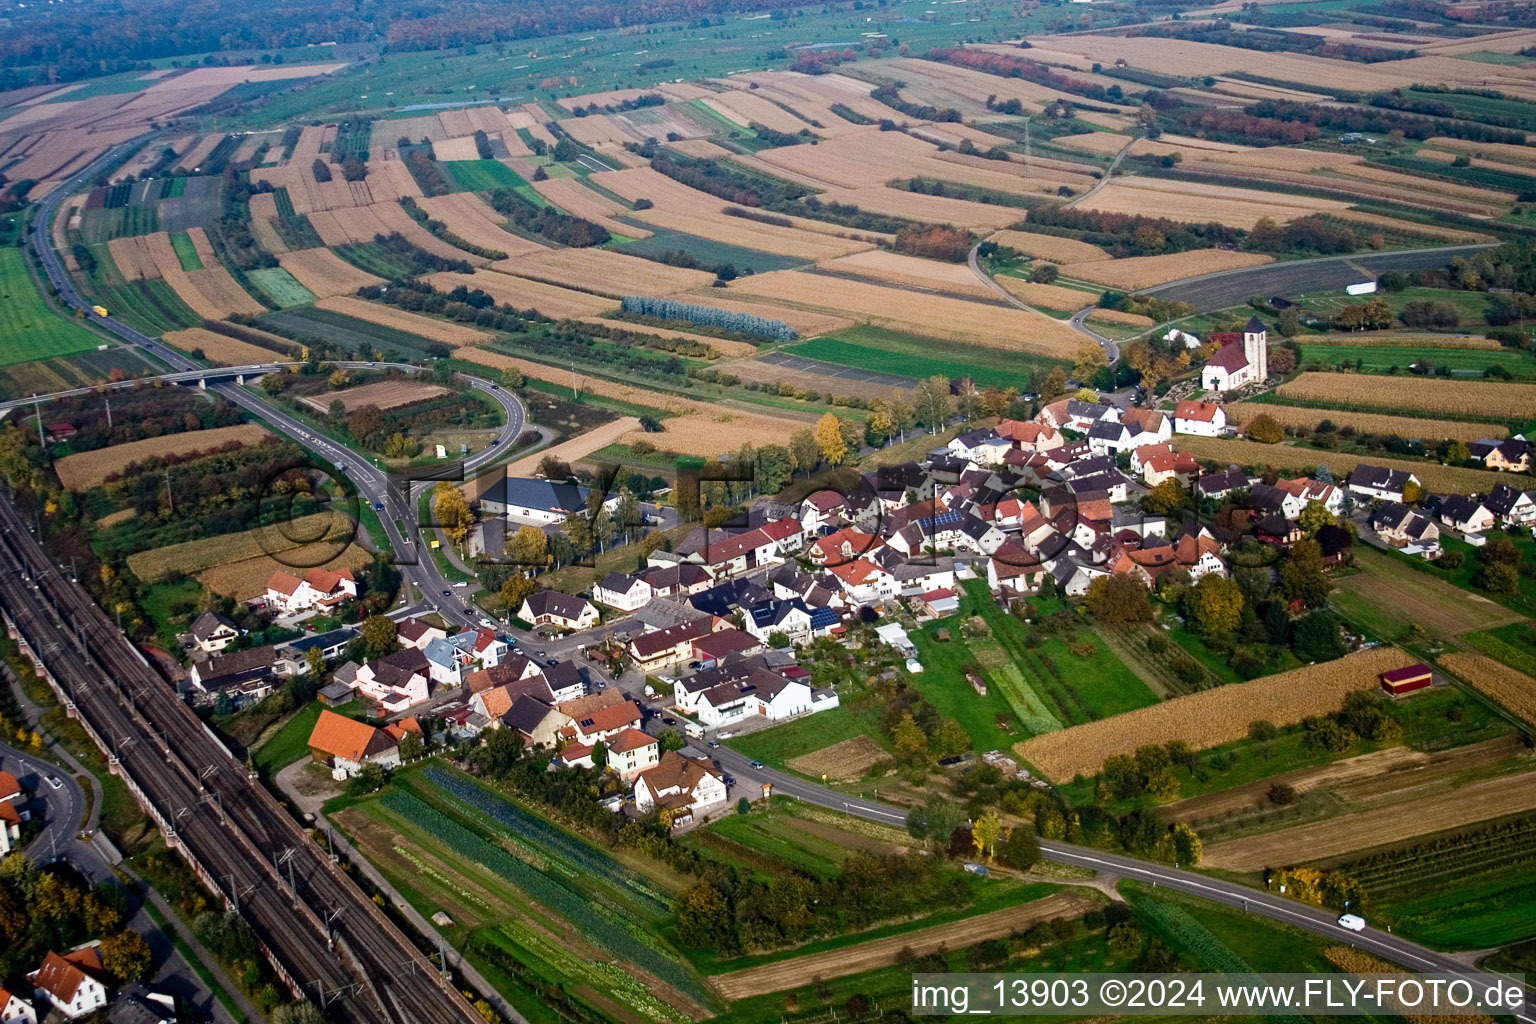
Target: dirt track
x: 866, y: 956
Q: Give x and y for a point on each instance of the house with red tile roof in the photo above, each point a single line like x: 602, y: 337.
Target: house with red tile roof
x: 686, y: 787
x: 14, y: 1009
x: 344, y: 744
x: 73, y: 983
x: 317, y: 588
x: 1207, y: 419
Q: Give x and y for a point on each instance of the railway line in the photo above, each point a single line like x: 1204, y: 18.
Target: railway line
x: 326, y: 939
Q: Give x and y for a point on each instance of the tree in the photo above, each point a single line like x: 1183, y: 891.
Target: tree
x: 365, y: 421
x: 670, y: 739
x: 528, y: 547
x: 1118, y: 599
x: 935, y: 819
x: 1055, y: 383
x: 932, y: 403
x: 829, y: 440
x: 378, y: 634
x: 273, y: 383
x: 909, y: 738
x: 853, y: 436
x: 1265, y: 429
x: 1167, y: 498
x: 515, y: 589
x: 126, y: 956
x: 512, y: 377
x: 600, y: 754
x: 1314, y: 517
x: 881, y: 426
x: 578, y: 530
x: 452, y: 511
x: 1216, y: 605
x: 704, y: 917
x: 1302, y: 577
x: 804, y: 452
x: 950, y: 739
x: 411, y: 746
x: 1021, y: 850
x: 986, y: 831
x: 314, y: 661
x: 370, y: 778
x: 297, y: 1013
x: 1412, y: 493
x: 1315, y: 636
x: 500, y: 753
x: 1090, y: 360
x: 1497, y: 578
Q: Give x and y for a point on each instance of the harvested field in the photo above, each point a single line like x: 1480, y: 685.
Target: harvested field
x: 1198, y: 203
x: 868, y: 956
x: 221, y: 293
x: 247, y: 578
x: 1443, y: 479
x: 325, y: 273
x: 1450, y: 808
x: 605, y: 272
x: 471, y: 219
x: 744, y: 108
x: 576, y: 448
x: 1116, y: 316
x: 445, y: 331
x: 1382, y: 338
x: 580, y: 201
x: 389, y: 180
x: 894, y: 202
x: 1354, y: 961
x: 395, y: 220
x: 930, y: 315
x: 384, y: 394
x: 894, y: 268
x: 348, y: 226
x: 88, y: 469
x: 222, y: 349
x: 1145, y: 271
x: 1462, y: 397
x: 1051, y: 296
x: 461, y: 148
x: 1523, y: 155
x: 267, y: 236
x: 845, y: 761
x: 203, y: 247
x: 699, y: 149
x: 1515, y: 691
x: 1103, y: 143
x: 1402, y: 426
x: 521, y: 293
x: 193, y: 158
x: 1210, y: 717
x: 775, y: 374
x: 133, y: 258
x: 1390, y: 590
x: 1049, y: 247
x: 1413, y: 227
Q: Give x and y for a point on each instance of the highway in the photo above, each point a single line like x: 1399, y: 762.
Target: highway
x: 1300, y: 915
x: 329, y: 938
x: 373, y: 483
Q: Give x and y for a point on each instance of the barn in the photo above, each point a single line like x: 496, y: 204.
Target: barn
x: 1405, y: 680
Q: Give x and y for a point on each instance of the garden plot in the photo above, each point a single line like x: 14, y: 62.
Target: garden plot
x: 844, y: 761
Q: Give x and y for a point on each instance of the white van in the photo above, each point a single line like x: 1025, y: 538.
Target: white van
x: 1354, y: 922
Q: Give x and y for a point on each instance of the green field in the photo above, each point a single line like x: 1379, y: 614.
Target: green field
x: 28, y: 328
x: 1379, y: 359
x: 911, y: 355
x: 483, y: 175
x: 709, y: 252
x: 1513, y: 644
x: 291, y: 742
x: 280, y: 287
x: 103, y: 225
x: 1475, y: 910
x: 185, y: 252
x: 150, y: 306
x: 780, y: 744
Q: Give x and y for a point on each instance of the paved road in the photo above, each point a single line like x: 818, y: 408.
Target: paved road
x: 1234, y: 287
x: 375, y: 486
x: 1312, y: 919
x: 1111, y: 347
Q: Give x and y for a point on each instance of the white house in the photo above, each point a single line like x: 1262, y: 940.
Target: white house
x: 71, y: 983
x: 622, y: 591
x: 446, y: 663
x: 417, y: 634
x: 213, y: 632
x: 864, y: 582
x: 1467, y: 514
x: 1146, y: 426
x: 599, y: 716
x: 538, y: 502
x: 319, y: 588
x: 632, y: 752
x: 1206, y: 419
x: 10, y: 818
x: 763, y: 694
x: 688, y: 787
x: 1379, y: 483
x: 397, y: 680
x: 790, y: 617
x: 550, y: 607
x: 1513, y: 507
x: 15, y: 1010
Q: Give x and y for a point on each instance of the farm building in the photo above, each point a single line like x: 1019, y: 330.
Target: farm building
x: 1405, y: 680
x: 345, y: 745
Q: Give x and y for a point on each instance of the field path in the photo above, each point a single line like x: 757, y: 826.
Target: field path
x: 576, y: 447
x: 1109, y: 173
x: 866, y: 956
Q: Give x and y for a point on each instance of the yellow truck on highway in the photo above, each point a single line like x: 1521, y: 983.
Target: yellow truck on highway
x: 99, y: 310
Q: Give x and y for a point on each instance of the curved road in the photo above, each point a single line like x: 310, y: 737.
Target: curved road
x: 373, y: 483
x: 1299, y: 915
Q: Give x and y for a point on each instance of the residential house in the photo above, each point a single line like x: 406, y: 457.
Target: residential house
x: 317, y: 589
x: 246, y: 676
x: 1167, y: 464
x: 1146, y: 426
x: 74, y: 983
x: 713, y: 648
x: 1512, y: 455
x: 622, y: 591
x: 137, y: 1004
x: 291, y: 656
x: 1206, y: 419
x: 1401, y: 527
x: 983, y: 447
x: 1377, y: 483
x: 446, y: 663
x: 727, y: 555
x: 565, y: 679
x: 763, y: 694
x: 663, y: 647
x: 790, y: 617
x: 1028, y: 436
x: 417, y: 634
x: 1109, y: 437
x: 1513, y: 507
x: 598, y: 716
x: 631, y: 752
x: 344, y: 745
x: 538, y: 502
x: 14, y: 1009
x: 864, y: 582
x: 686, y: 787
x: 678, y: 580
x: 552, y: 608
x: 1466, y: 514
x: 11, y: 798
x: 397, y: 681
x: 213, y: 632
x: 536, y: 722
x: 1219, y: 485
x: 842, y: 546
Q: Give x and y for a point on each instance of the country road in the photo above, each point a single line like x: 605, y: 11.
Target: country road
x: 1111, y: 347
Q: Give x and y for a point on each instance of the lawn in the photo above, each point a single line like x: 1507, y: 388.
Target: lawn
x: 782, y: 743
x: 290, y: 743
x: 28, y: 328
x: 1380, y: 358
x: 161, y: 602
x: 708, y: 252
x: 186, y: 252
x: 1475, y: 613
x: 280, y: 287
x: 911, y: 355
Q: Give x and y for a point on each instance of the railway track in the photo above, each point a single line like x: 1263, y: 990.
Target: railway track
x: 330, y: 942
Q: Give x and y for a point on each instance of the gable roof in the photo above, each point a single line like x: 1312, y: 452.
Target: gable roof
x: 553, y: 602
x: 345, y: 738
x: 543, y: 495
x: 210, y: 622
x: 1202, y: 412
x: 62, y: 976
x: 1229, y: 357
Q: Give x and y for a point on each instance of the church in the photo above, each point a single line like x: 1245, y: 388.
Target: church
x: 1241, y: 360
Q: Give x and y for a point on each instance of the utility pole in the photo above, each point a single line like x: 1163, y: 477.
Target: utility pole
x: 169, y: 500
x: 108, y: 399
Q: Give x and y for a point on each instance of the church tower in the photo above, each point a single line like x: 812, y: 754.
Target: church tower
x: 1256, y: 349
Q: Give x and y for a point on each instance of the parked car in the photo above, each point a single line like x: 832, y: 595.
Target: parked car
x: 461, y: 583
x: 713, y: 744
x: 757, y: 764
x: 669, y: 720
